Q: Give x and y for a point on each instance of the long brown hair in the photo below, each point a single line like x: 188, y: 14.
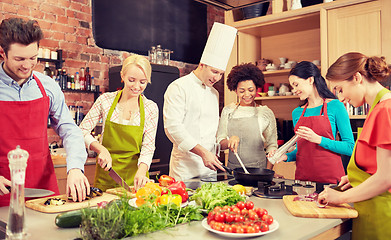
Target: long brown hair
x: 372, y: 68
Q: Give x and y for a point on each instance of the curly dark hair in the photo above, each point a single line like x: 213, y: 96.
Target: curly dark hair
x: 17, y: 30
x: 244, y: 72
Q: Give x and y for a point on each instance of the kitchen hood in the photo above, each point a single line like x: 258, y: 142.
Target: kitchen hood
x: 231, y: 4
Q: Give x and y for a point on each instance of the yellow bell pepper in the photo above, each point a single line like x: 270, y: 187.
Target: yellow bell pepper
x: 167, y: 198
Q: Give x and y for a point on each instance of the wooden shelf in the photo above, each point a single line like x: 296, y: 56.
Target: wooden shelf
x: 276, y: 72
x: 358, y: 116
x: 276, y: 98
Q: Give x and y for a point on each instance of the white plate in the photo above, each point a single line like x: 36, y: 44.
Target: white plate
x: 273, y: 227
x: 132, y: 202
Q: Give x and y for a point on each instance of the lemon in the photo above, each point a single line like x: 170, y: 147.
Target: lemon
x: 239, y: 189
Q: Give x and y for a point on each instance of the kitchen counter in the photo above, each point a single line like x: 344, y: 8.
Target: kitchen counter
x: 41, y: 226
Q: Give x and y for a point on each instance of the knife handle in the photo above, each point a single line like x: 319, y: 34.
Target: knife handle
x: 8, y: 187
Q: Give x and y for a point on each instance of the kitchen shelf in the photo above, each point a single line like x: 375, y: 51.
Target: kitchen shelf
x: 58, y: 62
x: 358, y: 116
x: 277, y: 97
x: 276, y: 72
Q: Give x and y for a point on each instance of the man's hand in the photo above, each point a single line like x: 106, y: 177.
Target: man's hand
x: 77, y: 185
x: 4, y: 182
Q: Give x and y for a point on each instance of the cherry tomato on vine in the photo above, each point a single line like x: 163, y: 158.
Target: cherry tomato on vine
x: 268, y: 219
x: 240, y: 205
x: 249, y: 205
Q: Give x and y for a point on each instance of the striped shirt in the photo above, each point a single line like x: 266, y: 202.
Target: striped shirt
x: 99, y: 111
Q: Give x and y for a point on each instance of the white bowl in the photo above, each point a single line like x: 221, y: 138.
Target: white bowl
x: 271, y: 93
x: 288, y: 93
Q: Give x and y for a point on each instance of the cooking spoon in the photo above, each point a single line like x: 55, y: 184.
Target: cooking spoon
x: 241, y: 163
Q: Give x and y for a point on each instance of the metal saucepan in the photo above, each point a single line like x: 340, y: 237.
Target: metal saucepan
x: 255, y: 175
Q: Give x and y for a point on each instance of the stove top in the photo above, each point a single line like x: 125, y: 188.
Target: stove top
x: 281, y: 187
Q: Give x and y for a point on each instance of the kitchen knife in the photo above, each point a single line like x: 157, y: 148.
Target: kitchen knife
x: 117, y: 178
x: 34, y: 192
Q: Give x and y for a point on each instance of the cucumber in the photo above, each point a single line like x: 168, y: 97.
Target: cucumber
x: 70, y: 219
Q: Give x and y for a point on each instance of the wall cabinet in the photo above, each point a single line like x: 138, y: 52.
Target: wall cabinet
x: 319, y: 32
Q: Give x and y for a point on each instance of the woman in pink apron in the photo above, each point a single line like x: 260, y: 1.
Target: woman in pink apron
x: 129, y: 128
x: 354, y: 77
x: 318, y: 153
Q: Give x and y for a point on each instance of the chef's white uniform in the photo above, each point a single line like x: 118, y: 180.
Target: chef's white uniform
x: 191, y: 117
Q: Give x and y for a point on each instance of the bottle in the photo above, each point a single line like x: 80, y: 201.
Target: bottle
x: 58, y: 77
x: 92, y: 84
x: 79, y: 115
x: 283, y: 149
x: 72, y: 110
x: 69, y: 82
x: 73, y: 82
x: 64, y: 79
x: 82, y: 79
x: 152, y: 54
x: 46, y: 70
x: 159, y: 54
x: 88, y: 79
x: 77, y: 81
x: 16, y: 226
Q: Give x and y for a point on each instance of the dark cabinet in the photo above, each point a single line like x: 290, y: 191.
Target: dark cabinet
x: 162, y: 76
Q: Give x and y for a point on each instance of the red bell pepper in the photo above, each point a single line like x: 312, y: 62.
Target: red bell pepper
x: 177, y: 188
x: 166, y: 180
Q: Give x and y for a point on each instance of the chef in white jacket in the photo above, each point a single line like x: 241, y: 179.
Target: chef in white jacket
x: 191, y: 109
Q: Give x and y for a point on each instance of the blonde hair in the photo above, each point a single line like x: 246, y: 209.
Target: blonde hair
x: 139, y: 61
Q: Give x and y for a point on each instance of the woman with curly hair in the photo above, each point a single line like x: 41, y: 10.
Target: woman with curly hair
x: 355, y: 77
x: 245, y: 127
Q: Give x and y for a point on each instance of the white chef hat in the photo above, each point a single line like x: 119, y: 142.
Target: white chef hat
x: 219, y: 46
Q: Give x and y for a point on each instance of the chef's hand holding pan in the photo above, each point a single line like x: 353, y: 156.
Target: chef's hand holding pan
x: 308, y: 134
x: 329, y: 195
x: 233, y: 143
x: 3, y: 183
x: 78, y: 186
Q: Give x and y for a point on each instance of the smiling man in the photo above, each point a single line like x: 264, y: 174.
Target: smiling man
x: 27, y: 99
x: 191, y: 109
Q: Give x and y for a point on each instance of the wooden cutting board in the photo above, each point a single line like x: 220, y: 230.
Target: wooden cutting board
x: 38, y: 204
x: 120, y: 192
x: 311, y: 210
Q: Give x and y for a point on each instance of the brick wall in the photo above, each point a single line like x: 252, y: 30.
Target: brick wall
x: 67, y: 25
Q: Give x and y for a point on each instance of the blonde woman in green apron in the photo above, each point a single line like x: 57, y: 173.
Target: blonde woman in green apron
x: 354, y: 77
x: 129, y: 128
x: 245, y: 127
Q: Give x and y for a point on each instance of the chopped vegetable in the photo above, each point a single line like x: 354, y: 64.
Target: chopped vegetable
x: 55, y: 201
x: 209, y: 195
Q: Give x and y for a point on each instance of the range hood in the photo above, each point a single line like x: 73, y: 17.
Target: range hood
x: 232, y: 4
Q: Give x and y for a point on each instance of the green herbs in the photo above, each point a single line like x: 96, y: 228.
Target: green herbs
x: 119, y: 219
x: 217, y: 194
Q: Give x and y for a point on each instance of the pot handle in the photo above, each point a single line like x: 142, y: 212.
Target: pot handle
x: 228, y: 170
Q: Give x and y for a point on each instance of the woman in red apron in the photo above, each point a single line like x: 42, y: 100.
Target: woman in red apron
x: 317, y: 154
x: 129, y: 130
x: 355, y: 77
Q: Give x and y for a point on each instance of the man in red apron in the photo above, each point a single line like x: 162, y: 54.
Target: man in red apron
x: 27, y: 98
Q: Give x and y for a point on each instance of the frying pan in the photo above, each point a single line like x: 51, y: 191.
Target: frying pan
x: 255, y: 175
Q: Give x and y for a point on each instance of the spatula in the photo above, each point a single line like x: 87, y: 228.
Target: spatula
x: 241, y: 163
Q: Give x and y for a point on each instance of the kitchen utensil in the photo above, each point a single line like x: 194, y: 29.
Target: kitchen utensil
x: 283, y: 149
x: 254, y: 176
x: 241, y: 163
x: 34, y: 192
x: 69, y: 205
x: 311, y: 210
x: 117, y: 178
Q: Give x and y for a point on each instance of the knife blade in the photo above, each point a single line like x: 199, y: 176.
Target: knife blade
x: 117, y: 178
x: 34, y: 192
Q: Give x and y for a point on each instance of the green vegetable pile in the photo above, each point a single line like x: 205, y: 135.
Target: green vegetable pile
x: 118, y: 219
x: 217, y: 194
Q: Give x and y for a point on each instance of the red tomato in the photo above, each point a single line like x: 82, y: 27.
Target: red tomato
x: 229, y: 217
x: 217, y: 209
x: 253, y: 215
x: 234, y: 227
x: 244, y: 212
x: 260, y: 212
x: 250, y: 229
x: 235, y: 210
x: 227, y: 208
x: 268, y: 219
x: 228, y: 228
x: 240, y: 205
x: 239, y: 218
x: 239, y: 229
x: 219, y: 217
x: 264, y: 227
x: 257, y: 228
x: 249, y: 205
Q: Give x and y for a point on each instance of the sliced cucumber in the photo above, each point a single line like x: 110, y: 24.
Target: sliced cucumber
x: 70, y: 219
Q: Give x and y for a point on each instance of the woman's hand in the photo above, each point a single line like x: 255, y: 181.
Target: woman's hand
x: 140, y: 179
x: 344, y: 183
x: 330, y: 195
x: 104, y: 159
x: 233, y: 143
x: 309, y: 135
